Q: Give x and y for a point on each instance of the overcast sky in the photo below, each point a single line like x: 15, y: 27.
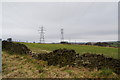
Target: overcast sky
x: 81, y: 21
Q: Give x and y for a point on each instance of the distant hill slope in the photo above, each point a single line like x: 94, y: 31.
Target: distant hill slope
x: 114, y: 43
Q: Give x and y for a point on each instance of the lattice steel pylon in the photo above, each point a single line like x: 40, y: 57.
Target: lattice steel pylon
x: 62, y: 36
x: 42, y: 33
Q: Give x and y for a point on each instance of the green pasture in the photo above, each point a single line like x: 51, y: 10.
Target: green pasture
x: 81, y: 49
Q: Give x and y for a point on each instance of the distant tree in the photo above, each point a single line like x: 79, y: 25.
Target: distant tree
x: 105, y: 44
x: 88, y: 43
x: 64, y: 42
x: 34, y: 42
x: 101, y: 44
x: 9, y: 39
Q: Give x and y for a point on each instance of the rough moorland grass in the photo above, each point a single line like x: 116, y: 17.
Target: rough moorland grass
x: 23, y: 66
x: 107, y: 51
x: 20, y: 66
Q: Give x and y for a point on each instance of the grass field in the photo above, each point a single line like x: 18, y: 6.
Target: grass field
x: 107, y: 51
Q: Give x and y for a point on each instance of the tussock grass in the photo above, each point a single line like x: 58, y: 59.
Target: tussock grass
x: 24, y: 66
x: 105, y: 73
x: 15, y: 65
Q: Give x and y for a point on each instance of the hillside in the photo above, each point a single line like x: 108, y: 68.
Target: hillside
x: 22, y: 65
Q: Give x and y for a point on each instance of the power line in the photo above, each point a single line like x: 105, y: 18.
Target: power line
x: 42, y: 33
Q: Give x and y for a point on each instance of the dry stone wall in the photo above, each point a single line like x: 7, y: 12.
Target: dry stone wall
x: 63, y: 57
x: 15, y: 47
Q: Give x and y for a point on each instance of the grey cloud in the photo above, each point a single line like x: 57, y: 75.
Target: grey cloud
x: 79, y: 20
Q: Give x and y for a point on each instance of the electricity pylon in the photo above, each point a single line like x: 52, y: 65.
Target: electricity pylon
x: 42, y: 33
